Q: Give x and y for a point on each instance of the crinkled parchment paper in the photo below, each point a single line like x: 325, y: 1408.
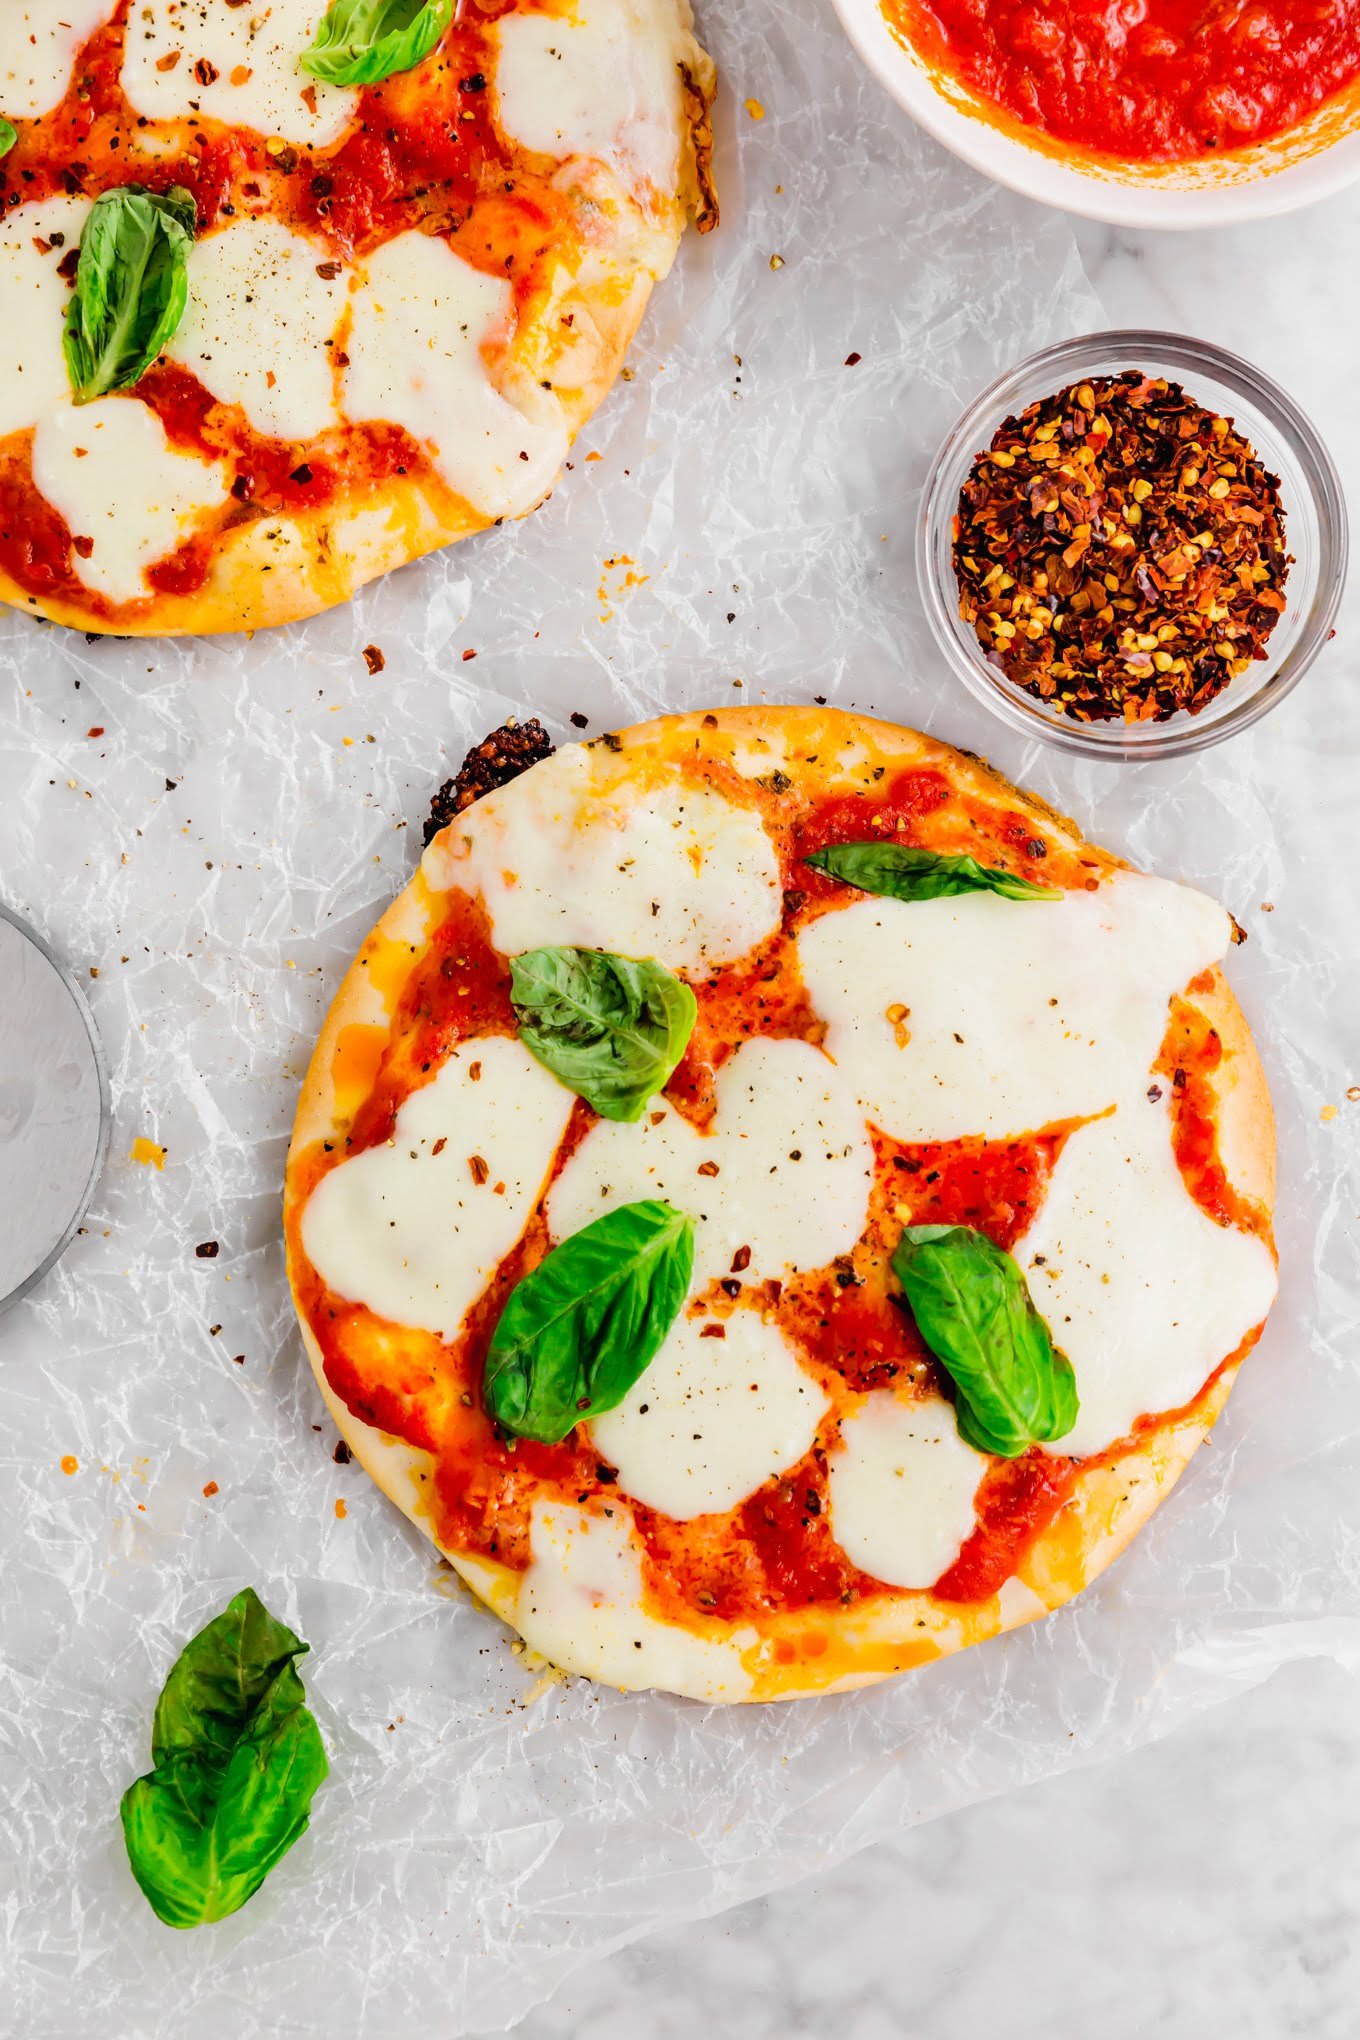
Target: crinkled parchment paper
x: 210, y: 861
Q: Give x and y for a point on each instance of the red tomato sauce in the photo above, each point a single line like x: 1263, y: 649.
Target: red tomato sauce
x: 776, y: 1552
x: 1143, y: 80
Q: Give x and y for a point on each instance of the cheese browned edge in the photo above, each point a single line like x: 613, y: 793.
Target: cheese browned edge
x: 1111, y: 1499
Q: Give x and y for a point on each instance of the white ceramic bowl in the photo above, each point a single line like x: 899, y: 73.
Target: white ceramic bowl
x: 1308, y: 163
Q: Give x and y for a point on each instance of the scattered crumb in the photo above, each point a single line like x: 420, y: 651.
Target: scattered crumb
x: 70, y: 1464
x: 776, y: 262
x: 341, y: 1511
x: 755, y: 109
x: 148, y: 1152
x: 1328, y: 1112
x: 210, y: 1490
x: 374, y: 658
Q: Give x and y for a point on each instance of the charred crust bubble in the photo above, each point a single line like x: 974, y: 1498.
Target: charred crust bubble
x: 493, y: 763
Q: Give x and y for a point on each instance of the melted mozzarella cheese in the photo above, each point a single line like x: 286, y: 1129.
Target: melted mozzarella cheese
x: 566, y: 854
x: 711, y: 1419
x: 239, y: 64
x: 785, y: 1173
x: 581, y: 1603
x: 425, y: 324
x: 32, y: 367
x: 39, y: 42
x: 1023, y: 1013
x: 258, y: 326
x: 601, y: 80
x: 903, y: 1488
x: 1018, y: 1013
x: 408, y: 1228
x: 111, y: 471
x: 1142, y: 1291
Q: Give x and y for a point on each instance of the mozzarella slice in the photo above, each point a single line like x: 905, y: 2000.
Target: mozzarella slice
x: 210, y: 59
x: 415, y: 1229
x: 111, y: 471
x: 39, y: 43
x: 1142, y: 1291
x: 581, y: 1604
x: 425, y: 325
x: 33, y: 240
x: 601, y: 79
x: 785, y: 1173
x: 712, y: 1418
x: 1018, y: 1013
x: 903, y: 1489
x: 567, y: 854
x: 259, y: 326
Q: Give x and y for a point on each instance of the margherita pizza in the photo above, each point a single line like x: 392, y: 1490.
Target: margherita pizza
x: 293, y: 293
x: 775, y: 1205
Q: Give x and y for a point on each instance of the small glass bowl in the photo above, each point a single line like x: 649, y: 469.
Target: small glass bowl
x: 1287, y: 444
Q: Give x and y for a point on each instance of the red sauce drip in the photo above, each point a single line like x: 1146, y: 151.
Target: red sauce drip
x: 1143, y: 80
x: 895, y: 809
x: 762, y: 995
x: 1190, y: 1057
x: 850, y: 1319
x: 35, y: 544
x: 458, y: 990
x: 1016, y: 1502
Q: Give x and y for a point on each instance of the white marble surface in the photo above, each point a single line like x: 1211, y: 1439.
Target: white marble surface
x: 1206, y: 1888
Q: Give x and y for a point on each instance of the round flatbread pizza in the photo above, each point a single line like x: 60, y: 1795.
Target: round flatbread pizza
x: 295, y: 293
x: 774, y: 1204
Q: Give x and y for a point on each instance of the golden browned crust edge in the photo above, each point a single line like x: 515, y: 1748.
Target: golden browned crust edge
x: 1110, y: 1501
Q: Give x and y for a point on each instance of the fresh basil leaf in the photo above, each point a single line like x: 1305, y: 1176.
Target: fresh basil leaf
x: 360, y: 42
x: 900, y: 873
x: 9, y: 135
x: 611, y: 1028
x: 578, y: 1331
x: 132, y: 284
x: 974, y: 1310
x: 238, y: 1757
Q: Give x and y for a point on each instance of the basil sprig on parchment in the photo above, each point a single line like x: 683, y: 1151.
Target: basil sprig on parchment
x: 611, y: 1028
x: 132, y: 284
x: 360, y: 42
x: 237, y: 1759
x: 973, y: 1309
x: 579, y: 1330
x: 901, y: 873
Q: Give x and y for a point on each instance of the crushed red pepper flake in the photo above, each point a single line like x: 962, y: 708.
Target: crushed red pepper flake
x: 1120, y: 550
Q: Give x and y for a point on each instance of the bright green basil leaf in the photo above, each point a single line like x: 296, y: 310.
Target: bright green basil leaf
x: 362, y: 41
x: 611, y: 1028
x: 578, y: 1331
x: 8, y: 135
x: 132, y: 284
x: 238, y: 1758
x: 974, y: 1311
x: 904, y: 874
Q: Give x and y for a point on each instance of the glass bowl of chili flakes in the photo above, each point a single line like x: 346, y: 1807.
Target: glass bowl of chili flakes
x: 1264, y: 511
